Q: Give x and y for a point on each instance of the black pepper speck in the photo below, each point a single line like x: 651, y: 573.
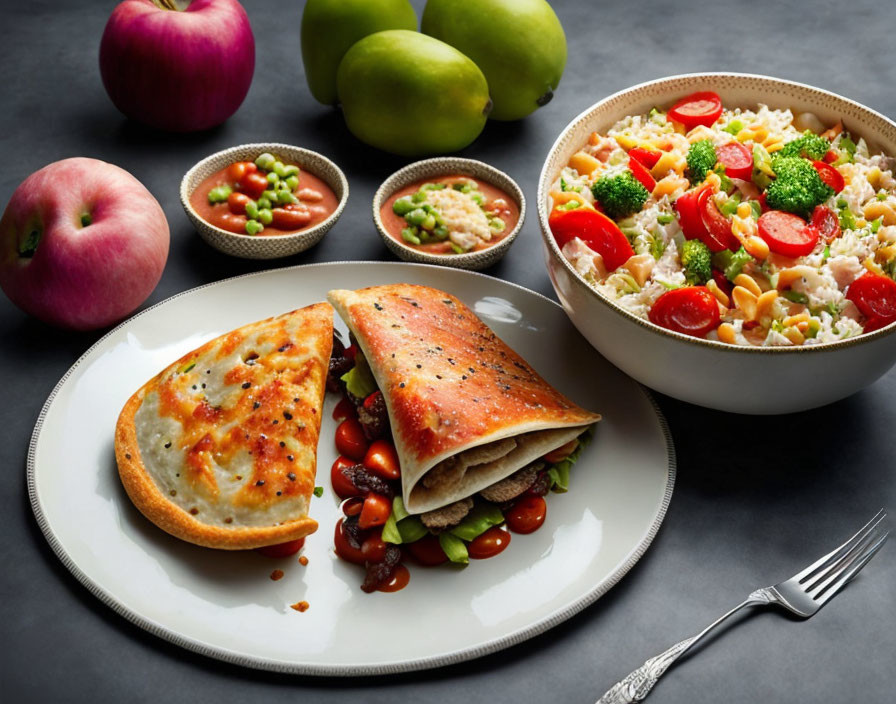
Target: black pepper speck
x: 260, y: 482
x: 401, y: 385
x: 247, y: 384
x: 291, y: 477
x: 282, y: 444
x: 290, y: 458
x: 167, y: 445
x: 287, y: 415
x: 256, y: 404
x: 279, y: 493
x: 377, y: 306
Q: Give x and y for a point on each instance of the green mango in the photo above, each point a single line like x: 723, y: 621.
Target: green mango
x: 330, y: 27
x: 519, y: 45
x: 409, y: 94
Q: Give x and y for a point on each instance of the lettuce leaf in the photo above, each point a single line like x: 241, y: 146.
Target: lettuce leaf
x: 359, y: 379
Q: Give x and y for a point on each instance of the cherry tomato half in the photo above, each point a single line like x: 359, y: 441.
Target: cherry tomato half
x: 352, y: 506
x: 875, y: 296
x: 701, y: 108
x: 490, y: 543
x: 290, y: 219
x: 341, y: 485
x: 427, y: 551
x: 527, y: 514
x: 238, y: 170
x: 375, y: 511
x: 344, y: 548
x: 830, y: 175
x: 344, y: 409
x: 282, y: 550
x: 236, y: 201
x: 692, y: 311
x: 382, y: 460
x: 253, y: 184
x: 787, y: 234
x: 648, y: 157
x: 232, y: 223
x: 689, y: 215
x: 596, y: 230
x: 642, y: 174
x: 350, y: 439
x: 737, y: 160
x: 718, y: 229
x: 374, y: 547
x: 826, y: 222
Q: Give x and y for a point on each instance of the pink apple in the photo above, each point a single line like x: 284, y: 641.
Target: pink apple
x: 82, y: 244
x: 178, y: 65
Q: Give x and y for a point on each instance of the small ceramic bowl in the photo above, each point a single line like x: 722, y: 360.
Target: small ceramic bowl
x: 755, y: 380
x: 449, y: 166
x: 261, y: 246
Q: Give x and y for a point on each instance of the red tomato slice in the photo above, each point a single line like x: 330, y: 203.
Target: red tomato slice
x: 830, y: 157
x: 375, y: 511
x: 344, y: 548
x: 596, y: 230
x: 488, y: 544
x: 718, y: 229
x: 427, y: 551
x: 689, y: 216
x: 787, y: 234
x: 692, y: 311
x: 647, y: 157
x: 341, y: 485
x: 829, y: 175
x: 253, y: 184
x: 826, y: 222
x: 737, y: 160
x: 382, y: 460
x: 875, y: 296
x: 701, y: 108
x: 350, y: 439
x: 527, y: 514
x: 642, y: 174
x: 282, y: 550
x: 374, y: 547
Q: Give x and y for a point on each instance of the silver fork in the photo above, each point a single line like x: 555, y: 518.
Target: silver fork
x: 803, y: 594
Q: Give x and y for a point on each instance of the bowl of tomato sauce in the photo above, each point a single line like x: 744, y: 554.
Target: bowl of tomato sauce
x: 745, y: 337
x: 265, y: 200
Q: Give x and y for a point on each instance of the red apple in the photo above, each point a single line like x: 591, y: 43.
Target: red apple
x: 82, y: 244
x: 178, y: 65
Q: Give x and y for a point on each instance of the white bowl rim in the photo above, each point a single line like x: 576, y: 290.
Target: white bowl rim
x: 619, y: 310
x: 267, y: 147
x: 452, y: 164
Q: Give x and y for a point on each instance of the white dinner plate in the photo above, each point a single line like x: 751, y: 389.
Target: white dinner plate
x: 225, y: 605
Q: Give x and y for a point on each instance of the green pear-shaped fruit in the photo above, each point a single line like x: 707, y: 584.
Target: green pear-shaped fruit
x: 410, y: 94
x: 519, y: 45
x: 330, y: 27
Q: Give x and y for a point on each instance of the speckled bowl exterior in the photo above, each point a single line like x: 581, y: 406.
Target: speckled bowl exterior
x: 261, y: 246
x: 449, y: 166
x: 755, y: 380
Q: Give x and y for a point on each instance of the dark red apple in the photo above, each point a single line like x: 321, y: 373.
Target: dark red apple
x: 82, y: 244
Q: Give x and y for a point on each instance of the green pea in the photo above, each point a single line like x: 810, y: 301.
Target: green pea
x: 265, y: 216
x: 432, y: 187
x: 440, y: 233
x: 282, y: 185
x: 265, y: 161
x: 457, y: 248
x: 429, y: 223
x: 264, y: 202
x: 219, y: 194
x: 496, y: 224
x: 291, y: 170
x: 279, y: 169
x: 292, y: 182
x: 273, y: 178
x: 403, y: 206
x: 252, y: 210
x: 271, y: 195
x: 409, y: 234
x: 477, y: 197
x: 416, y: 216
x: 424, y: 236
x: 418, y: 197
x: 284, y: 197
x: 253, y: 227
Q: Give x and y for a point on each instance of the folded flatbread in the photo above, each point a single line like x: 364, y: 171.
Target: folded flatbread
x: 220, y: 448
x: 466, y: 410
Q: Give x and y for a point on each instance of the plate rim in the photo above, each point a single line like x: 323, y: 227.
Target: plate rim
x: 339, y: 670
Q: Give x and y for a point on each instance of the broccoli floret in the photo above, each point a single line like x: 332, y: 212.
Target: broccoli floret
x: 731, y: 263
x: 701, y: 158
x: 696, y: 260
x: 797, y: 187
x: 810, y: 145
x: 620, y: 195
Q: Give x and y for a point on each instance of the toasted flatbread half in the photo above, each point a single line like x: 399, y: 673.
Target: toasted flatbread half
x: 466, y: 410
x: 220, y: 448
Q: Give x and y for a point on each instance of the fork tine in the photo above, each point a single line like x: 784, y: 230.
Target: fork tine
x: 852, y: 571
x: 820, y: 581
x: 839, y: 552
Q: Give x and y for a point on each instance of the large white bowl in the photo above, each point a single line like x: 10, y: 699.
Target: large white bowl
x: 757, y: 380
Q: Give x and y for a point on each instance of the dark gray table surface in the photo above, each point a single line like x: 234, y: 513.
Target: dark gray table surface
x: 755, y: 499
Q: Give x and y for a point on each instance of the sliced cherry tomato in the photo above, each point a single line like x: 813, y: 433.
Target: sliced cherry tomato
x: 352, y: 506
x: 489, y: 544
x: 375, y: 511
x: 341, y: 485
x: 689, y: 215
x: 701, y: 108
x: 692, y: 311
x: 562, y: 452
x: 826, y: 222
x: 236, y: 201
x: 344, y: 548
x: 787, y: 234
x: 253, y: 184
x: 382, y: 460
x: 722, y: 282
x: 290, y: 219
x: 527, y: 514
x: 831, y: 157
x: 596, y: 230
x: 344, y: 409
x: 427, y: 551
x: 350, y: 439
x: 830, y: 175
x: 642, y: 174
x: 763, y: 204
x: 648, y: 157
x: 374, y: 547
x: 282, y: 549
x: 718, y: 228
x: 232, y: 223
x: 372, y: 399
x: 875, y: 296
x: 737, y: 160
x: 238, y: 170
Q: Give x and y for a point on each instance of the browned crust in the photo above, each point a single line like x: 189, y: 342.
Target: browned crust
x: 152, y: 503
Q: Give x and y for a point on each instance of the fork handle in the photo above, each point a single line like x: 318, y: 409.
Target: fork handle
x: 637, y: 685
